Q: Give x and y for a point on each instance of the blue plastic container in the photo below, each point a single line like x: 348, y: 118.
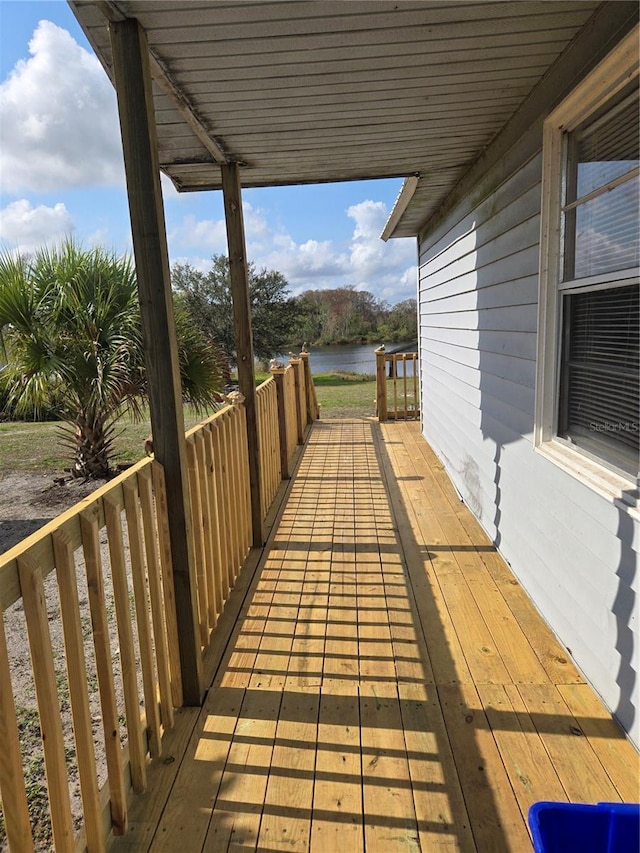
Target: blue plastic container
x: 579, y: 828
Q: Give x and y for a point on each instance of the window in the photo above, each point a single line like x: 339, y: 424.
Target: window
x: 588, y: 405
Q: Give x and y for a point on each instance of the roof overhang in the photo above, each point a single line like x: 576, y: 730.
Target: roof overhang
x: 326, y: 90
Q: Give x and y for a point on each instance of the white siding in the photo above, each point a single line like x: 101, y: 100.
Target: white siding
x: 567, y: 545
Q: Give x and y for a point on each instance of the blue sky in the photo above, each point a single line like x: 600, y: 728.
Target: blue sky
x: 61, y: 173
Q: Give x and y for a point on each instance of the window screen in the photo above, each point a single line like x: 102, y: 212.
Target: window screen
x: 599, y: 398
x: 602, y: 193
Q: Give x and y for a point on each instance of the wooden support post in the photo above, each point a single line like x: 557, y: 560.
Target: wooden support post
x: 296, y: 364
x: 381, y: 385
x: 239, y: 274
x: 278, y: 375
x: 137, y: 125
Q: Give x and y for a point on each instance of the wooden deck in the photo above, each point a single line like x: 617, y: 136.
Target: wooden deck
x: 387, y: 686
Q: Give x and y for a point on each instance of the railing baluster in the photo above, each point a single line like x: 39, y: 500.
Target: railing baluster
x: 167, y: 582
x: 381, y: 385
x: 78, y: 690
x: 104, y: 669
x: 244, y: 478
x: 237, y: 486
x: 275, y: 447
x: 141, y: 601
x: 198, y: 543
x: 155, y: 594
x: 231, y: 521
x: 214, y: 522
x: 35, y: 611
x: 394, y: 370
x: 404, y: 380
x: 12, y: 788
x: 239, y: 469
x: 265, y: 485
x: 223, y: 504
x: 113, y: 518
x: 207, y: 543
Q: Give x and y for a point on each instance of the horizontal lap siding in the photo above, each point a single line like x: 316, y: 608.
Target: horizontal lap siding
x: 478, y: 295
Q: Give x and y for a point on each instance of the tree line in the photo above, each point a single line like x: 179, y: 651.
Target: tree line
x: 280, y: 321
x: 71, y: 343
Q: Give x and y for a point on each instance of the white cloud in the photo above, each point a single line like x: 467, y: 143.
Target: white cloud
x: 27, y: 228
x: 206, y: 235
x: 388, y: 270
x: 59, y: 118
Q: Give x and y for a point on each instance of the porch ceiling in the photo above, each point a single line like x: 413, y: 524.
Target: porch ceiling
x: 327, y: 90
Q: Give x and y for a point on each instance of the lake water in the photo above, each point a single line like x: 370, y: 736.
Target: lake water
x: 352, y: 358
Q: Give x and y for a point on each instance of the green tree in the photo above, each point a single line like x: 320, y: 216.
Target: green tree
x: 207, y: 298
x: 401, y: 322
x: 340, y: 315
x: 71, y: 332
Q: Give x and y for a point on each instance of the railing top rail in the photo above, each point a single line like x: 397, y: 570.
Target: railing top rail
x: 263, y: 385
x: 211, y: 419
x: 38, y: 545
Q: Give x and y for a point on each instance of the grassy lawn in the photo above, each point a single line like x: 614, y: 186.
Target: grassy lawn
x: 345, y: 395
x: 30, y: 446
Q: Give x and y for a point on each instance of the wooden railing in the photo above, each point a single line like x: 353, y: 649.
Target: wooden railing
x: 94, y: 589
x: 220, y: 509
x: 106, y: 563
x: 296, y: 402
x: 397, y: 387
x: 269, y: 441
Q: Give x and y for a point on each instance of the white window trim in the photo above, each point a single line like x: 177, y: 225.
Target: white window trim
x: 618, y: 69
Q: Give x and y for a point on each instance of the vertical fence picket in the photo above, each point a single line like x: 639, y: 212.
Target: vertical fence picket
x: 207, y: 539
x: 12, y: 788
x: 198, y: 543
x: 113, y: 519
x: 238, y: 470
x: 235, y: 485
x: 223, y: 509
x: 231, y: 524
x: 155, y: 594
x: 35, y: 611
x: 264, y: 482
x: 215, y: 521
x: 394, y: 373
x: 104, y: 669
x: 275, y: 445
x: 381, y: 385
x: 78, y: 690
x: 141, y: 602
x: 404, y: 386
x: 272, y: 441
x: 244, y: 478
x: 167, y: 582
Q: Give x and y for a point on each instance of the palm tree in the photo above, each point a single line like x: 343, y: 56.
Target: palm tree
x: 71, y: 333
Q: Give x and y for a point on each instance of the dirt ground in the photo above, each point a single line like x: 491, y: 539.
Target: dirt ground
x: 28, y: 500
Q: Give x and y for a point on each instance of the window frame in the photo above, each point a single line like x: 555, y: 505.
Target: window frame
x: 612, y: 75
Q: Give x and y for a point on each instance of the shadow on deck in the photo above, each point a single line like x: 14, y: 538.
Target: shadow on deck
x: 387, y: 684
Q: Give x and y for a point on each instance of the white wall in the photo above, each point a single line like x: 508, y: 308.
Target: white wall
x: 574, y: 551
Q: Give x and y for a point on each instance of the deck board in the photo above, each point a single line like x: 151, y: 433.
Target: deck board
x: 387, y: 684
